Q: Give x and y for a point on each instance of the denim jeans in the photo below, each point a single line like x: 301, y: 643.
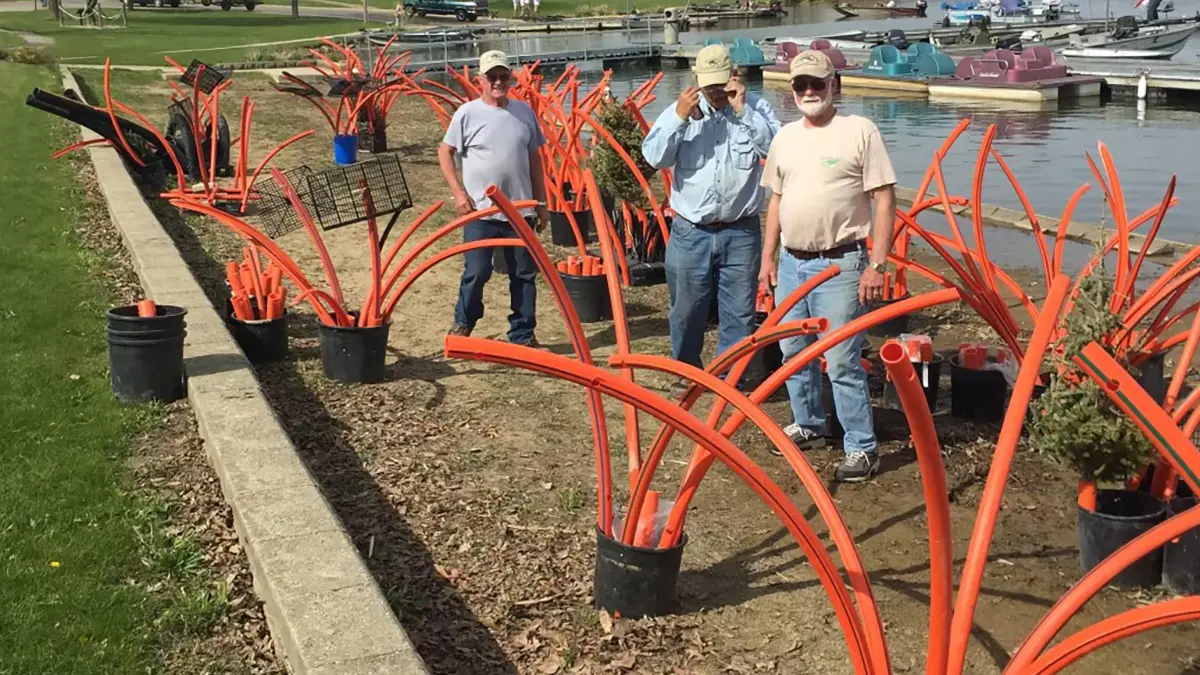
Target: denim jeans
x: 702, y: 260
x: 477, y: 269
x: 837, y: 301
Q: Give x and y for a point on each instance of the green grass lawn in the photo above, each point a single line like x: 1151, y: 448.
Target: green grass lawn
x: 72, y: 534
x: 150, y: 32
x: 8, y: 40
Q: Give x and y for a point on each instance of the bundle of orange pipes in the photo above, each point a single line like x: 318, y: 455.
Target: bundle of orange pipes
x: 256, y: 292
x: 918, y: 347
x: 765, y: 302
x: 974, y: 355
x: 582, y: 266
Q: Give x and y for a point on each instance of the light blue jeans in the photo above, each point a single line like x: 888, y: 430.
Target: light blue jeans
x: 837, y: 301
x: 702, y: 260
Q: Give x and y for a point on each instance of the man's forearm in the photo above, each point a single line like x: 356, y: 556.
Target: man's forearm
x: 772, y: 233
x: 449, y: 171
x: 885, y: 224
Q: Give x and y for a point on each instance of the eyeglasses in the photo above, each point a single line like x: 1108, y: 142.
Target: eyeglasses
x: 501, y: 77
x: 802, y: 84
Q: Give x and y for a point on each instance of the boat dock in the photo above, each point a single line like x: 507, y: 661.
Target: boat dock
x: 1160, y: 75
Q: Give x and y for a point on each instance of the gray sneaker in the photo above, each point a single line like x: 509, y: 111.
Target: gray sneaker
x: 857, y: 467
x: 803, y: 438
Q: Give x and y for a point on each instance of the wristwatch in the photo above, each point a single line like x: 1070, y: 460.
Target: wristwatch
x: 879, y: 267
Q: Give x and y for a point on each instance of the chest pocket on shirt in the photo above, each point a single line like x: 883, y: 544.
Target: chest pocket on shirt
x: 742, y: 149
x: 690, y: 156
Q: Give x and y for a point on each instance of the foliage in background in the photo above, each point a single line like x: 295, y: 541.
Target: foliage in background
x: 1074, y: 423
x: 612, y: 172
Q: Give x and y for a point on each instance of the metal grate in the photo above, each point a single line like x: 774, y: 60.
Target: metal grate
x: 275, y: 212
x: 209, y: 76
x: 337, y: 193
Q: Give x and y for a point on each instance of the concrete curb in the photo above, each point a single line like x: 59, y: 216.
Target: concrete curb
x: 324, y: 609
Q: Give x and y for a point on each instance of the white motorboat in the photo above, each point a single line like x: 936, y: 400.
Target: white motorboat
x: 1130, y: 41
x: 1007, y: 12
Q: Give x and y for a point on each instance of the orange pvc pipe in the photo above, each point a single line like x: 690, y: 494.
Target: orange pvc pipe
x: 1060, y: 240
x: 600, y: 381
x: 1123, y: 625
x: 993, y: 491
x: 633, y: 168
x: 1162, y: 213
x: 263, y: 164
x: 578, y: 341
x: 455, y: 250
x: 937, y: 503
x: 335, y: 289
x: 1038, y: 235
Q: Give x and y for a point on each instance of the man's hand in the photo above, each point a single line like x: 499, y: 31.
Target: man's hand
x: 737, y: 94
x: 543, y: 217
x: 768, y: 274
x: 688, y: 100
x: 870, y: 286
x: 463, y: 203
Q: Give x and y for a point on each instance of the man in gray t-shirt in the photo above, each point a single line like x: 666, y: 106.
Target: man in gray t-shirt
x: 497, y: 140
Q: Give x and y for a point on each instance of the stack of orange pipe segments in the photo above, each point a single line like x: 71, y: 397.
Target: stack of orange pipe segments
x: 256, y: 292
x: 582, y: 266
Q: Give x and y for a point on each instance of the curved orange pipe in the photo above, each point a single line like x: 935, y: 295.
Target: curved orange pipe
x: 633, y: 168
x: 993, y: 492
x: 1060, y: 241
x: 457, y: 249
x: 937, y: 502
x: 600, y: 381
x: 1162, y: 212
x: 1123, y: 625
x: 314, y: 234
x: 579, y: 342
x: 271, y: 155
x: 1038, y: 235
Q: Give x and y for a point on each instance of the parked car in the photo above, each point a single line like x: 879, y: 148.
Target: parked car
x: 228, y: 4
x: 463, y: 10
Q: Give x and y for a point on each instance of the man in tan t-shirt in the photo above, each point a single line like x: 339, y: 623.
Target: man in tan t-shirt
x: 823, y: 172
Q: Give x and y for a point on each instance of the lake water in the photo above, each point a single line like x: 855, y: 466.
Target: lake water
x: 1045, y: 147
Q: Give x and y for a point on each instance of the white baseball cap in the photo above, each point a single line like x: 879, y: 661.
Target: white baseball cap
x: 713, y: 66
x: 493, y: 59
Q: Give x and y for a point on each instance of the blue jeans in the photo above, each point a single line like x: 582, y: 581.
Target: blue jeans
x: 837, y: 301
x: 701, y: 260
x: 477, y: 269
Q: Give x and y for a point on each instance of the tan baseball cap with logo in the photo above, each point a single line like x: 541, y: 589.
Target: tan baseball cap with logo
x: 493, y: 59
x: 811, y: 63
x: 713, y: 65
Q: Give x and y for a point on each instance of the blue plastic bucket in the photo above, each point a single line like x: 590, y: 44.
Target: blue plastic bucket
x: 345, y: 149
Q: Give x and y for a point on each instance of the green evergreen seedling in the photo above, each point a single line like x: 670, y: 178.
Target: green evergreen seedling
x: 613, y: 174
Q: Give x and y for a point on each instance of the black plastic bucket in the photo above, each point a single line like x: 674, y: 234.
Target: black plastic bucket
x: 1120, y: 516
x: 261, y: 341
x: 928, y: 374
x: 647, y: 273
x: 145, y: 355
x: 833, y: 426
x: 561, y: 233
x: 893, y: 327
x: 636, y: 582
x: 771, y: 356
x: 353, y: 355
x: 977, y: 395
x: 1153, y: 379
x: 590, y: 296
x: 1181, y: 558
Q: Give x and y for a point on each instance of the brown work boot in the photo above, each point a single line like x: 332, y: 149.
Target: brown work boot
x: 461, y: 331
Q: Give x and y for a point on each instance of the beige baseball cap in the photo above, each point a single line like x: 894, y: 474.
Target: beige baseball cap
x: 713, y: 65
x: 493, y: 59
x: 811, y: 63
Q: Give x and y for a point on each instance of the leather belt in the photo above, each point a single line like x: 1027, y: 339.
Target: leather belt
x: 835, y: 252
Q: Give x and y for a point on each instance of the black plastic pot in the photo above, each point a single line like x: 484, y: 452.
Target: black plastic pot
x: 590, y: 296
x: 145, y: 355
x: 1120, y: 516
x: 261, y: 341
x: 353, y: 355
x: 636, y: 582
x: 977, y: 395
x: 1153, y: 379
x: 833, y: 426
x: 928, y: 374
x: 647, y: 273
x: 892, y: 327
x: 1181, y: 558
x: 561, y: 233
x: 771, y: 356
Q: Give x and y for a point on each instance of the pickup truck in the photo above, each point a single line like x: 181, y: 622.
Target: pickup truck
x: 463, y: 10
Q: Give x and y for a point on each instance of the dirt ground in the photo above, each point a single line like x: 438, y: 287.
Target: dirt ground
x: 469, y: 489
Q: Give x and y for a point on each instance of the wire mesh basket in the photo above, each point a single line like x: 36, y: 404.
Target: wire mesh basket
x: 275, y: 213
x: 337, y: 197
x: 209, y: 76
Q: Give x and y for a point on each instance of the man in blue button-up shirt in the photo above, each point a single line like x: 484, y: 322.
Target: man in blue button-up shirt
x: 714, y: 139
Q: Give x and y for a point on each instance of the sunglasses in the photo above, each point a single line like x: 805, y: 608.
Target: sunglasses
x: 502, y: 77
x: 803, y: 84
